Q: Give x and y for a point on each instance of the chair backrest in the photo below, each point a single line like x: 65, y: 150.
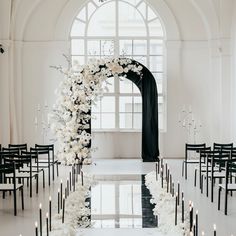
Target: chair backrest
x: 19, y: 160
x: 193, y: 147
x: 220, y: 146
x: 8, y: 168
x: 11, y: 150
x: 21, y: 147
x: 40, y: 151
x: 45, y: 146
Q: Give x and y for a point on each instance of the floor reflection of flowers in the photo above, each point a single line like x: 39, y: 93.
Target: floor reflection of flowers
x: 164, y: 207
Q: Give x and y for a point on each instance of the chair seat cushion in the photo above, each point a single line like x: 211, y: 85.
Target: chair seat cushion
x: 8, y: 187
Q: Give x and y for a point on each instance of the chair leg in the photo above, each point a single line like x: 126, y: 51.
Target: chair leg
x: 43, y: 179
x: 30, y: 186
x: 49, y: 175
x: 37, y: 184
x: 57, y: 169
x: 183, y: 169
x: 186, y: 172
x: 201, y: 183
x: 27, y: 182
x: 22, y: 198
x: 15, y: 202
x: 219, y: 195
x: 53, y: 170
x: 212, y: 190
x: 207, y: 186
x: 226, y: 201
x: 195, y: 177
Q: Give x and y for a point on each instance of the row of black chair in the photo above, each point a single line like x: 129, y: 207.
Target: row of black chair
x: 17, y: 163
x: 217, y: 163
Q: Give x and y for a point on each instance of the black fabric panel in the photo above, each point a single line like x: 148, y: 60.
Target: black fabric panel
x: 150, y: 130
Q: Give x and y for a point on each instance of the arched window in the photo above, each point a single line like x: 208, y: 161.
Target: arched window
x: 121, y: 28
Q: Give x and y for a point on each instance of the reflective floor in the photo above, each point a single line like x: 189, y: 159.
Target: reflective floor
x: 121, y: 201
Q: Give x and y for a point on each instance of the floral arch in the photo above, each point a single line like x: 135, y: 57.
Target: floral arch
x: 81, y: 86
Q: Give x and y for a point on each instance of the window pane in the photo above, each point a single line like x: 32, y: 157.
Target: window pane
x: 126, y: 47
x: 77, y: 60
x: 103, y: 21
x: 77, y: 47
x: 156, y: 47
x: 151, y: 14
x: 108, y: 104
x: 107, y: 47
x: 94, y: 47
x: 130, y: 21
x: 140, y: 47
x: 126, y: 120
x: 96, y: 106
x: 78, y: 28
x: 125, y: 85
x: 155, y: 28
x: 156, y: 63
x: 108, y: 120
x: 137, y: 104
x: 95, y: 123
x: 142, y: 9
x: 125, y: 104
x: 135, y: 89
x: 82, y: 14
x: 108, y: 199
x: 137, y: 121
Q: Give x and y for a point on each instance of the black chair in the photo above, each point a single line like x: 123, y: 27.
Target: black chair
x: 193, y: 148
x: 35, y: 169
x: 20, y: 162
x: 52, y: 159
x: 228, y: 186
x: 9, y: 168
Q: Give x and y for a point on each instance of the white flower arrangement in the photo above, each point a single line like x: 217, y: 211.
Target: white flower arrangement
x: 81, y: 86
x: 77, y: 210
x: 165, y: 207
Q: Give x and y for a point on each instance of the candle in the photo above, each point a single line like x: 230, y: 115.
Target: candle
x: 178, y: 192
x: 194, y: 227
x: 50, y: 213
x: 63, y: 209
x: 191, y: 217
x: 68, y: 190
x: 214, y: 226
x: 36, y: 228
x: 40, y: 219
x: 47, y: 224
x: 168, y: 178
x: 166, y: 171
x: 82, y: 178
x: 73, y: 178
x: 161, y: 177
x: 176, y: 203
x: 70, y: 180
x: 158, y: 167
x: 173, y: 189
x: 58, y: 197
x: 196, y: 222
x: 170, y: 184
x: 182, y: 209
x: 61, y: 193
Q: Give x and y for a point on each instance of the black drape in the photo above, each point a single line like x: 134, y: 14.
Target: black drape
x: 150, y: 138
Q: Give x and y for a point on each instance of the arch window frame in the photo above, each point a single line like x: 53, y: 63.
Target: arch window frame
x: 117, y: 94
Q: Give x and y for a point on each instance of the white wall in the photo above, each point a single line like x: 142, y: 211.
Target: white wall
x: 199, y: 71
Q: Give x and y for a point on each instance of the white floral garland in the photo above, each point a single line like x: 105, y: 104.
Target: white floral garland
x: 165, y: 207
x: 80, y: 88
x: 77, y: 210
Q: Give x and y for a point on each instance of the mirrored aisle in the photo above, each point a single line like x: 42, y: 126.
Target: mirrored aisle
x: 121, y: 201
